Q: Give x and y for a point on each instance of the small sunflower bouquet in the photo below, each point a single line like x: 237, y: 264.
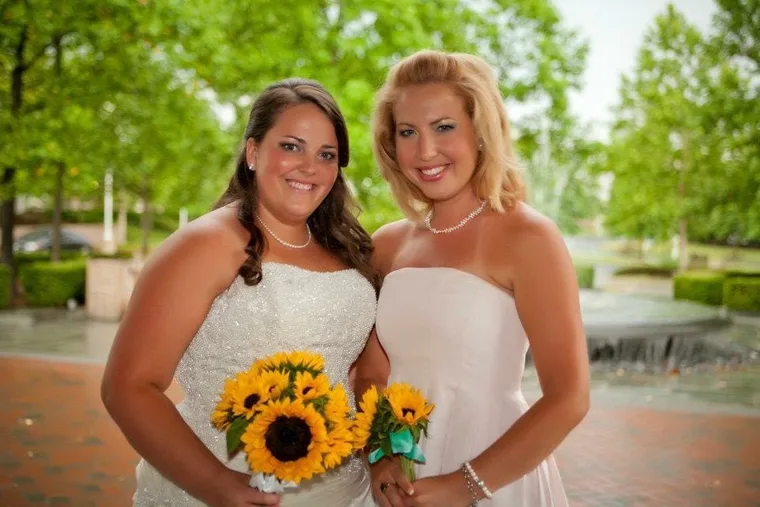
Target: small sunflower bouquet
x: 287, y: 419
x: 391, y: 424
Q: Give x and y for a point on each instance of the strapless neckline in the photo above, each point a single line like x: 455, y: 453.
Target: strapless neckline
x: 455, y: 272
x: 286, y: 266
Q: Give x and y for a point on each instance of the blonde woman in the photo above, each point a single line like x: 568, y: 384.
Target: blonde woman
x: 472, y: 278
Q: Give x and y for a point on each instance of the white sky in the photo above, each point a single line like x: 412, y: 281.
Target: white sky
x: 615, y: 30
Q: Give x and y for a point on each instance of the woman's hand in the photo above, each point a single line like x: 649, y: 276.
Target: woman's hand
x: 448, y: 490
x: 389, y: 483
x: 233, y: 490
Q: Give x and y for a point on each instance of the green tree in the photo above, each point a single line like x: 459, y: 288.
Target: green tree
x: 46, y: 107
x: 561, y: 174
x: 655, y: 152
x: 349, y: 46
x: 732, y: 119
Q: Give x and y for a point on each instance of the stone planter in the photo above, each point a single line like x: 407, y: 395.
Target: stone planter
x: 109, y: 286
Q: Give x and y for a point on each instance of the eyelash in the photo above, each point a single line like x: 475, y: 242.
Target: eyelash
x: 439, y: 128
x: 291, y: 147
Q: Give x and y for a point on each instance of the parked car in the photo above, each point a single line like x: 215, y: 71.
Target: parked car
x: 41, y: 240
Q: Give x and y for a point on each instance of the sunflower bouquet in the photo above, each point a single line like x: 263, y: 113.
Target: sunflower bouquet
x: 391, y: 424
x: 287, y: 419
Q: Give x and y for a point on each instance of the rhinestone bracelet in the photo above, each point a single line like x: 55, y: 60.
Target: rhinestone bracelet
x: 476, y: 479
x: 471, y: 486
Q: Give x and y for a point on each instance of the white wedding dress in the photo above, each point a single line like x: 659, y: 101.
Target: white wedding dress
x: 291, y: 309
x: 459, y: 339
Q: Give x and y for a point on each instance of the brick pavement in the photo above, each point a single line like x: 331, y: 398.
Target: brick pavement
x: 60, y: 448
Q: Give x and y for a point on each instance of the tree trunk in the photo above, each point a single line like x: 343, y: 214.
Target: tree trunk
x: 55, y: 253
x: 146, y: 219
x: 8, y: 215
x: 121, y: 221
x: 683, y: 245
x: 8, y: 189
x: 683, y: 240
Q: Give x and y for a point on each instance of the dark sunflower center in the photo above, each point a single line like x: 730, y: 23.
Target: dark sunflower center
x: 306, y: 390
x: 408, y: 411
x: 288, y: 438
x: 251, y: 401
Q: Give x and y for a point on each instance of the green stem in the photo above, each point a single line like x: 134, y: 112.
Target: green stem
x: 407, y: 466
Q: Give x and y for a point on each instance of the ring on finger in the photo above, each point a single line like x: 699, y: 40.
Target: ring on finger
x: 384, y: 486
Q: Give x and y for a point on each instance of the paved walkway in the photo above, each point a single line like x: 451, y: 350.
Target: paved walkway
x: 60, y: 448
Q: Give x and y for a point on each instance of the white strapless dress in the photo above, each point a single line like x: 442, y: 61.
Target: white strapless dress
x: 460, y: 340
x: 292, y: 308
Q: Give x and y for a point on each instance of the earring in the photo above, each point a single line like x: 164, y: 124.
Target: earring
x: 480, y: 146
x: 251, y: 168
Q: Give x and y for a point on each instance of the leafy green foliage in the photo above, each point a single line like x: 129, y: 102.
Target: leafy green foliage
x: 136, y: 87
x: 53, y: 284
x: 742, y: 294
x: 234, y: 434
x: 5, y: 286
x: 702, y: 287
x: 686, y: 141
x: 585, y: 276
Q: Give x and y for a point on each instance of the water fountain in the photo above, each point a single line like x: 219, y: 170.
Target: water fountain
x: 653, y: 331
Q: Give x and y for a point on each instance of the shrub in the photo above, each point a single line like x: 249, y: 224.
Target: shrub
x: 647, y: 269
x: 738, y: 273
x: 700, y: 286
x: 742, y: 294
x: 585, y: 275
x: 49, y: 284
x: 5, y: 286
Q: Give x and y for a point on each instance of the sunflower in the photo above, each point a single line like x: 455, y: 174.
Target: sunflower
x: 408, y: 404
x: 287, y: 440
x: 337, y: 407
x: 249, y: 395
x: 306, y: 360
x: 275, y: 383
x: 340, y: 444
x: 308, y: 387
x: 274, y: 362
x: 365, y: 417
x: 291, y: 361
x: 222, y: 414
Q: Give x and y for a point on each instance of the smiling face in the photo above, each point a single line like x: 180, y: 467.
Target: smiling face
x: 296, y: 162
x: 436, y: 143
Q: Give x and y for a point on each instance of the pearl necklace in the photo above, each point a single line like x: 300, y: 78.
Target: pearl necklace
x: 284, y: 243
x: 453, y: 228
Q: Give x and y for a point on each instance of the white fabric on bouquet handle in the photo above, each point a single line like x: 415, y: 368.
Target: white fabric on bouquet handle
x: 270, y: 484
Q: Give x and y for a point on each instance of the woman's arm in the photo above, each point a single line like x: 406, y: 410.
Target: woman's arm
x: 373, y: 369
x: 546, y: 295
x: 168, y: 305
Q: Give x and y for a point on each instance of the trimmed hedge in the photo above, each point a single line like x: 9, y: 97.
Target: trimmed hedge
x: 5, y: 286
x: 700, y: 286
x: 585, y: 275
x: 48, y: 284
x: 647, y: 269
x: 23, y: 259
x: 168, y: 221
x: 737, y: 273
x: 742, y: 294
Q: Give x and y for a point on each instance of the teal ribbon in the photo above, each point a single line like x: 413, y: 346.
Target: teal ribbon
x: 402, y: 443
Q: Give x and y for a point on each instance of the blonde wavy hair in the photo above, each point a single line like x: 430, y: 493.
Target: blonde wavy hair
x: 497, y: 177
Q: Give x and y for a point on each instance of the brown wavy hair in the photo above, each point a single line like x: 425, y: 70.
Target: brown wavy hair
x: 333, y: 224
